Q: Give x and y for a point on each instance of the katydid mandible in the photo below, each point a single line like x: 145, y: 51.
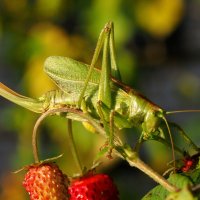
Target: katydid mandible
x: 100, y: 93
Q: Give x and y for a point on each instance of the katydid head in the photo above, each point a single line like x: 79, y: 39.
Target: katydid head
x: 152, y: 124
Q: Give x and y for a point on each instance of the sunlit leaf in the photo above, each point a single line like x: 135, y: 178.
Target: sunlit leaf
x: 180, y: 181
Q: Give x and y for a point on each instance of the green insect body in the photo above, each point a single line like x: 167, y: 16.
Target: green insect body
x: 131, y: 108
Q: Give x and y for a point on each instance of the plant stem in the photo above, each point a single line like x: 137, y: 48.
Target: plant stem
x: 34, y: 145
x: 34, y: 137
x: 123, y: 151
x: 43, y: 116
x: 73, y: 146
x: 132, y: 158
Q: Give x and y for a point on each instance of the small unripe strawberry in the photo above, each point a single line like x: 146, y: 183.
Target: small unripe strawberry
x: 93, y: 187
x: 46, y: 182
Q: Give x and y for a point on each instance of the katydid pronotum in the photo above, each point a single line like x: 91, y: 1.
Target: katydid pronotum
x: 100, y: 93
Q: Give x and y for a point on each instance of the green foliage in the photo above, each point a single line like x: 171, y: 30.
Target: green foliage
x: 183, y: 181
x: 30, y: 31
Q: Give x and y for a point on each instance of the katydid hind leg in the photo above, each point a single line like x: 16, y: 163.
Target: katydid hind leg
x: 94, y: 60
x: 106, y: 37
x: 109, y: 128
x: 105, y: 41
x: 114, y: 68
x: 104, y: 92
x: 102, y: 117
x: 109, y: 67
x: 111, y: 136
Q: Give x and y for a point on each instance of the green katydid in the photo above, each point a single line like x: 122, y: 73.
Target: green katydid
x: 98, y: 93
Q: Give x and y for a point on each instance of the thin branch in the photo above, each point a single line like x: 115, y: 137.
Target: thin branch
x: 73, y: 146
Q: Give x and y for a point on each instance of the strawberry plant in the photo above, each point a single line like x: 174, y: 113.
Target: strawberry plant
x: 104, y: 105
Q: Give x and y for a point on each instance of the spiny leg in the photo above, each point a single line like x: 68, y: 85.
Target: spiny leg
x: 98, y: 48
x: 114, y: 68
x: 102, y: 117
x: 107, y: 33
x: 111, y: 120
x: 109, y: 67
x: 104, y: 93
x: 111, y: 133
x: 104, y: 122
x: 109, y: 128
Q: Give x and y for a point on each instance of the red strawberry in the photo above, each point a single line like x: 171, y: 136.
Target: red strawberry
x: 93, y: 187
x: 190, y: 162
x: 46, y: 182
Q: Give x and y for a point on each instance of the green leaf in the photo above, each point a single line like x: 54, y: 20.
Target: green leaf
x: 183, y: 194
x: 195, y: 176
x: 181, y: 181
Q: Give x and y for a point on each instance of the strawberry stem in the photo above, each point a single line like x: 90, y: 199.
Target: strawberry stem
x: 73, y: 146
x: 122, y: 151
x: 34, y: 136
x: 63, y: 110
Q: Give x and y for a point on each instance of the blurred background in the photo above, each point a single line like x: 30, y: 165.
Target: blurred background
x: 158, y: 52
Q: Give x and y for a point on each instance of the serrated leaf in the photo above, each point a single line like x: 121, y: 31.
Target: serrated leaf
x: 160, y: 193
x: 183, y: 194
x: 195, y: 176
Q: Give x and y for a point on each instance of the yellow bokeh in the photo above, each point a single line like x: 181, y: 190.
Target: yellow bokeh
x: 159, y: 17
x: 52, y: 41
x: 48, y: 8
x: 35, y: 79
